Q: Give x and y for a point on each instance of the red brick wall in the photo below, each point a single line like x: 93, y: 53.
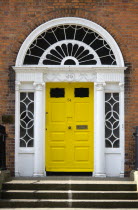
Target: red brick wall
x: 119, y: 17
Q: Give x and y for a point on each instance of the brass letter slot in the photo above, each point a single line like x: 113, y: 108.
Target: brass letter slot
x: 81, y: 127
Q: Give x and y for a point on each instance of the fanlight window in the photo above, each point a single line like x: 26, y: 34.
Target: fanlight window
x: 69, y: 45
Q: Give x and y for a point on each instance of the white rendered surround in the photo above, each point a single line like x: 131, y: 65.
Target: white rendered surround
x: 32, y: 79
x: 107, y: 161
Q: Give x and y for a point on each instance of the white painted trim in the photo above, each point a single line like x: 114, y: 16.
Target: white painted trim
x: 70, y: 20
x: 121, y: 149
x: 113, y: 150
x: 65, y: 74
x: 122, y: 128
x: 17, y: 127
x: 38, y: 130
x: 99, y: 142
x: 44, y: 69
x: 26, y: 150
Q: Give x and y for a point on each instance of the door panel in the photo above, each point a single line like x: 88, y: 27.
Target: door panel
x: 81, y: 154
x: 69, y: 127
x: 80, y: 114
x: 57, y: 153
x: 79, y: 137
x: 57, y: 136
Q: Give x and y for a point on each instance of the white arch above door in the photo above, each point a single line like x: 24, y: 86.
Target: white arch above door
x: 74, y: 21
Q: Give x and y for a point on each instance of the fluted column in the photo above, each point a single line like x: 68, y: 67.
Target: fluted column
x: 100, y: 131
x: 38, y: 131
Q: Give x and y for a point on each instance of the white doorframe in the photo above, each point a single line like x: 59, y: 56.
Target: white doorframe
x: 33, y: 79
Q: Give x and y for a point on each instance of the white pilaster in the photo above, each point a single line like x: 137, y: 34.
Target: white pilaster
x: 122, y: 133
x: 17, y: 125
x: 38, y: 131
x: 100, y: 131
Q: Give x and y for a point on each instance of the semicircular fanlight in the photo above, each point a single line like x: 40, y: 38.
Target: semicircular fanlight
x: 69, y: 54
x: 64, y: 41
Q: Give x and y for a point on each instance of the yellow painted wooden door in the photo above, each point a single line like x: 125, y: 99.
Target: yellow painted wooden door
x: 69, y: 127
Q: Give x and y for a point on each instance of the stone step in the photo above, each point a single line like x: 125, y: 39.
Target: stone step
x: 43, y: 194
x: 69, y: 194
x: 42, y: 203
x: 66, y: 209
x: 70, y: 185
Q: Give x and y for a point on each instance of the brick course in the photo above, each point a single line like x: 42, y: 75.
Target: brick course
x: 18, y: 19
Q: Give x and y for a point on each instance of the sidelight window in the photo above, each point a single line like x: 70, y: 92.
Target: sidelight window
x: 26, y: 119
x: 112, y: 125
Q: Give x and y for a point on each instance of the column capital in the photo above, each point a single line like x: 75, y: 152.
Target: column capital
x: 100, y: 86
x: 38, y: 85
x: 121, y: 85
x: 17, y: 85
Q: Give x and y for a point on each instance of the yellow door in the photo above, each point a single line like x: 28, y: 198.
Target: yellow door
x: 69, y: 127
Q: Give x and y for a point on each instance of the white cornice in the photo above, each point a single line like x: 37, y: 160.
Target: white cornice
x: 45, y: 69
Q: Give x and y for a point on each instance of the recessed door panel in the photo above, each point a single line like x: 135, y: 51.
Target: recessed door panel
x: 58, y: 112
x: 82, y: 154
x: 57, y: 153
x: 81, y: 136
x: 69, y: 127
x: 57, y: 136
x: 81, y: 112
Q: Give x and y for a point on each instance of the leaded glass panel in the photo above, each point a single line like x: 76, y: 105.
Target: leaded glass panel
x: 26, y: 119
x: 112, y: 125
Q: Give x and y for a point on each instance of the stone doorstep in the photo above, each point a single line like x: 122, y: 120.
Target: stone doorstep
x: 69, y: 181
x: 65, y: 209
x: 6, y: 174
x: 71, y: 178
